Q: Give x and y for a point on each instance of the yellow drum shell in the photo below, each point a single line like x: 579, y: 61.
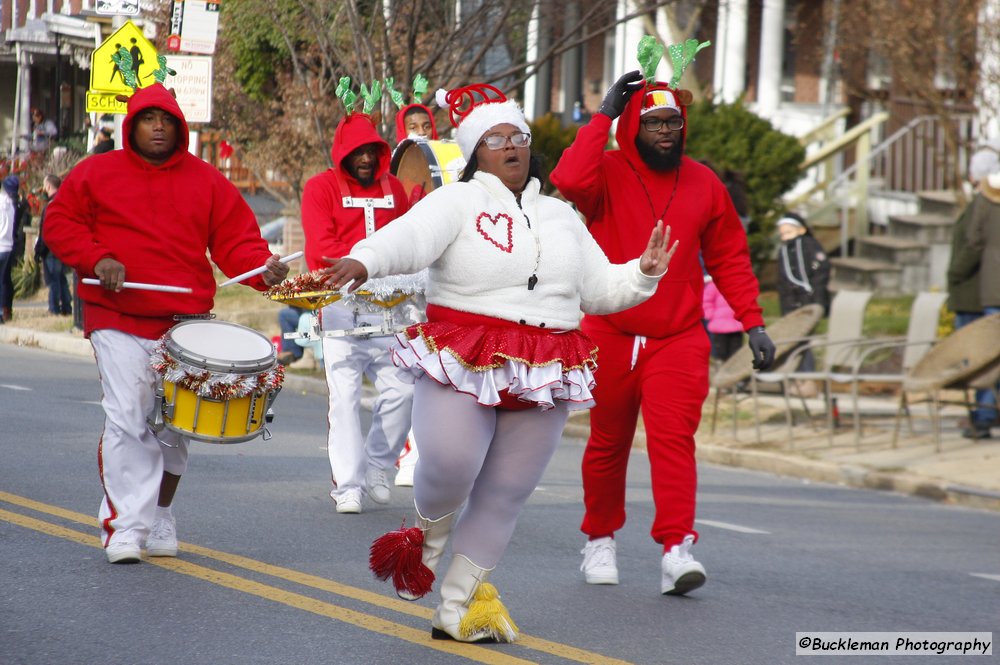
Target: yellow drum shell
x: 215, y: 421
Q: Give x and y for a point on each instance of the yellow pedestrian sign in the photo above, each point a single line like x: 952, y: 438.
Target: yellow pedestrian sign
x: 108, y: 61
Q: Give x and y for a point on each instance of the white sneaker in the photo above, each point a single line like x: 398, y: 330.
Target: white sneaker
x: 404, y: 477
x: 123, y: 552
x: 162, y: 539
x: 680, y: 572
x: 378, y: 486
x: 349, y: 501
x: 599, y: 561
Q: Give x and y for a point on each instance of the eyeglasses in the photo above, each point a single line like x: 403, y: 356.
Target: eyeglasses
x: 498, y: 142
x: 673, y: 123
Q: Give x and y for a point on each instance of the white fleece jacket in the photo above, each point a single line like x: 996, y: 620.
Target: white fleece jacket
x: 481, y: 248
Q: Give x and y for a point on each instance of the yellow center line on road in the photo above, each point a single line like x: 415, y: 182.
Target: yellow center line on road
x: 557, y: 649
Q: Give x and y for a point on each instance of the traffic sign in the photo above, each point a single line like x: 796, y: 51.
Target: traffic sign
x: 105, y: 73
x: 105, y: 102
x: 115, y: 7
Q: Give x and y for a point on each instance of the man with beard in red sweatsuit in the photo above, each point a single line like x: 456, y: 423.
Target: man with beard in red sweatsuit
x: 147, y: 213
x: 654, y: 357
x: 341, y: 206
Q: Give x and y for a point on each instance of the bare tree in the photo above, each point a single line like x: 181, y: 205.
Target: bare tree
x: 279, y: 63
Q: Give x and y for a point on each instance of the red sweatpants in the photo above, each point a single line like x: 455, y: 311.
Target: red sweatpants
x: 669, y: 383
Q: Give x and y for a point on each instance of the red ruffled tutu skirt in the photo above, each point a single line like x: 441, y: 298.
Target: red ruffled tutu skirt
x: 500, y: 363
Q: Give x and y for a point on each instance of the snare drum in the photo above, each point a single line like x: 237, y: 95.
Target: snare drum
x: 218, y: 381
x: 428, y: 164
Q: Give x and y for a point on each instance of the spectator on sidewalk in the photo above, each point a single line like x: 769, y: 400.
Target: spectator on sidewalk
x: 724, y: 329
x: 53, y: 269
x: 974, y: 269
x: 8, y: 219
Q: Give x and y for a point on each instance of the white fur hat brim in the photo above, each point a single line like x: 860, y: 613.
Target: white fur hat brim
x: 485, y: 117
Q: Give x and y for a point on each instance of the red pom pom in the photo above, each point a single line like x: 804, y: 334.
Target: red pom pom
x: 397, y: 554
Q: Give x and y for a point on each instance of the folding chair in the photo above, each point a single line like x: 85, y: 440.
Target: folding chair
x: 844, y: 332
x: 958, y: 361
x: 786, y: 333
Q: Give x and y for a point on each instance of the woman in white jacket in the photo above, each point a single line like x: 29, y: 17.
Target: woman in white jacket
x: 501, y: 361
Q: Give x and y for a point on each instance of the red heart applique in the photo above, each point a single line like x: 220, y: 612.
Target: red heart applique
x: 494, y: 232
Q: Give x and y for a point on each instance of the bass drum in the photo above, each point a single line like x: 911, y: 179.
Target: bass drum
x: 424, y: 165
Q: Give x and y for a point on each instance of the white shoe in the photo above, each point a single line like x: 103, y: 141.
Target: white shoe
x: 349, y: 501
x: 162, y: 539
x: 404, y: 477
x: 378, y: 486
x: 600, y: 564
x: 123, y: 552
x: 680, y: 572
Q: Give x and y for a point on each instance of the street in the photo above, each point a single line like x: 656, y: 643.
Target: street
x: 269, y: 573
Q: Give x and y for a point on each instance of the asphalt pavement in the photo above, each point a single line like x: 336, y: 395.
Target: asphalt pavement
x: 959, y: 471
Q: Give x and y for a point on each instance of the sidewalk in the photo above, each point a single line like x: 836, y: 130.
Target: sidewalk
x: 964, y: 472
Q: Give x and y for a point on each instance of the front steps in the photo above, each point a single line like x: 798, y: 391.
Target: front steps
x: 911, y: 256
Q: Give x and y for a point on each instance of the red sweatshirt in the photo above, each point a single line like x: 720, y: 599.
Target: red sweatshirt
x: 158, y: 221
x: 606, y: 188
x: 330, y: 228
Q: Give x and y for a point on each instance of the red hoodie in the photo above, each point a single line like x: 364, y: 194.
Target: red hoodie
x: 158, y: 222
x: 401, y: 123
x: 606, y: 188
x: 330, y: 228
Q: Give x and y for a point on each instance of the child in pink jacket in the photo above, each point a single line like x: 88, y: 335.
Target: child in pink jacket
x: 724, y: 330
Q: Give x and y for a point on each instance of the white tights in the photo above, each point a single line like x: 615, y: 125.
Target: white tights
x: 490, y: 457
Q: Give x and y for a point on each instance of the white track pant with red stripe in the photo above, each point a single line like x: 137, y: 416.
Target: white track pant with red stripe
x: 131, y: 458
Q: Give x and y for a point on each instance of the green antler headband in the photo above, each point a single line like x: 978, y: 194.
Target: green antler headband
x: 347, y: 96
x: 123, y: 59
x: 419, y: 87
x: 394, y: 95
x: 649, y: 55
x: 682, y: 55
x: 371, y: 97
x: 161, y: 74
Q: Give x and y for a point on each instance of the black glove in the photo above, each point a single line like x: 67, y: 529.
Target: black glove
x: 762, y: 348
x: 618, y: 94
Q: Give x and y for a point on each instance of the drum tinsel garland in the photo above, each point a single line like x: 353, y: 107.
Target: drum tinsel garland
x: 372, y: 294
x: 221, y: 387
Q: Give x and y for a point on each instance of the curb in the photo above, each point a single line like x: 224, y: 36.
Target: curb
x: 755, y: 460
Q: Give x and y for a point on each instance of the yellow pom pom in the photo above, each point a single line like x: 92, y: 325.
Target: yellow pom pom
x: 488, y: 615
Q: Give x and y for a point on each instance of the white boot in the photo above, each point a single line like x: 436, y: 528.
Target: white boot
x: 407, y: 463
x: 436, y: 534
x: 470, y: 609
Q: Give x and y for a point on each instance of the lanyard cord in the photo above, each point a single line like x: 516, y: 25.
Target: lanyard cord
x: 677, y: 179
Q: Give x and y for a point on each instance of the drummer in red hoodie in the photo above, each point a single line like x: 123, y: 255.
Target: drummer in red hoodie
x: 654, y: 356
x: 147, y: 213
x: 334, y: 217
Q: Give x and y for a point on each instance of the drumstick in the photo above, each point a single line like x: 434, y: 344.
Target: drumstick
x: 141, y: 286
x: 256, y: 271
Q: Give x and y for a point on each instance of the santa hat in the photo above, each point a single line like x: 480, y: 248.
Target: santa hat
x: 475, y: 109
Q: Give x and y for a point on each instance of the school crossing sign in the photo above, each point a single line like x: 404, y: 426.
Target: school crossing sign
x: 111, y: 69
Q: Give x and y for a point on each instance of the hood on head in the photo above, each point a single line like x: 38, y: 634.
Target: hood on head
x: 628, y: 122
x: 154, y: 96
x: 10, y: 185
x: 401, y: 123
x: 354, y: 131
